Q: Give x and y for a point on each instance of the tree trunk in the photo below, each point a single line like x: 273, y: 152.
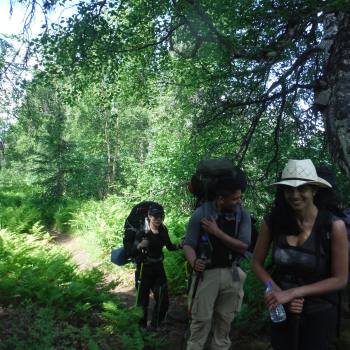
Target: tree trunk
x: 111, y: 132
x: 116, y: 147
x: 337, y: 111
x: 2, y: 154
x: 108, y: 147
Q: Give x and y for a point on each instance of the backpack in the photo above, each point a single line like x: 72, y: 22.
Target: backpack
x: 346, y: 219
x: 134, y: 228
x: 203, y: 184
x: 208, y: 173
x: 119, y: 257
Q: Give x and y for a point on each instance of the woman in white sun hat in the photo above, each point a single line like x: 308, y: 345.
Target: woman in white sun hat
x: 310, y: 260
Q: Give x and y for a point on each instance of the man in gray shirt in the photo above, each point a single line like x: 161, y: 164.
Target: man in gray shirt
x: 218, y: 235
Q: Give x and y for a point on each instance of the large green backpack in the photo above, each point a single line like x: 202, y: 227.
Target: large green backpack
x: 133, y: 231
x: 208, y: 174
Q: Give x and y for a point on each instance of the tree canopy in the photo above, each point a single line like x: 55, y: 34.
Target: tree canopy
x: 243, y: 76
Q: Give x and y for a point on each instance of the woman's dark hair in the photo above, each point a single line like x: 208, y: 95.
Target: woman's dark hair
x: 282, y: 219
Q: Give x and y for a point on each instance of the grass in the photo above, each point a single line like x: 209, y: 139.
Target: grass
x: 47, y: 303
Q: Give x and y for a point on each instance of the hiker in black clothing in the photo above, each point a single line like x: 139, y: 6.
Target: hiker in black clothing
x: 333, y: 202
x: 310, y: 259
x: 150, y: 274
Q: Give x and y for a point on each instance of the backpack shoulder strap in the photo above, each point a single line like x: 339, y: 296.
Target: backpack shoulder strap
x: 323, y: 234
x: 129, y: 226
x: 238, y: 219
x: 327, y: 219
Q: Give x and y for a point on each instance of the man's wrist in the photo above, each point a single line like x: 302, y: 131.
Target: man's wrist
x: 217, y: 232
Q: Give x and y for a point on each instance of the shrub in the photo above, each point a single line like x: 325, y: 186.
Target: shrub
x: 64, y: 214
x: 101, y: 224
x: 17, y: 212
x: 48, y: 304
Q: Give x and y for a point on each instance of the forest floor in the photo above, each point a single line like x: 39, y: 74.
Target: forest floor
x: 172, y: 332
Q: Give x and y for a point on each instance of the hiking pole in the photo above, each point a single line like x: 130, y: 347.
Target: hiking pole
x: 294, y: 323
x: 199, y: 276
x: 188, y: 277
x: 339, y: 313
x: 157, y: 311
x: 186, y: 335
x: 139, y: 278
x: 143, y: 254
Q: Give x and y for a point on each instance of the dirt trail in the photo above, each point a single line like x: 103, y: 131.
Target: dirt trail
x: 174, y: 326
x: 74, y: 245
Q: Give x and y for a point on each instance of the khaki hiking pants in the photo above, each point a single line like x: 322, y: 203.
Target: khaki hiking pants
x: 219, y: 296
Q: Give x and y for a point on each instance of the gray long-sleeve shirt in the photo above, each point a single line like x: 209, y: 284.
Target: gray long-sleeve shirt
x: 208, y: 210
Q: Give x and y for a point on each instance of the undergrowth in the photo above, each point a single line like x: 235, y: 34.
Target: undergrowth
x: 46, y: 303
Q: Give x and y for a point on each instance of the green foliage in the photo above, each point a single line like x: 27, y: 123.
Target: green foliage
x: 17, y: 212
x: 126, y: 324
x: 101, y: 223
x: 50, y: 305
x: 22, y: 206
x: 64, y: 214
x: 41, y: 274
x: 47, y: 330
x: 129, y: 97
x: 252, y: 319
x: 175, y: 264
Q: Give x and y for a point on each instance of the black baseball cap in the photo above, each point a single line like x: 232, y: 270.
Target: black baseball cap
x: 156, y: 210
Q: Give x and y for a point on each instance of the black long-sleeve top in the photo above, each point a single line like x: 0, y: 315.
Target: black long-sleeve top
x: 157, y: 241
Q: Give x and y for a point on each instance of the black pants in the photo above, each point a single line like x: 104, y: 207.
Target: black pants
x: 152, y: 278
x: 314, y: 331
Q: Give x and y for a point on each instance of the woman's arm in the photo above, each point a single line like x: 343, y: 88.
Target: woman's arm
x: 260, y: 252
x: 339, y: 270
x: 259, y: 255
x: 168, y: 243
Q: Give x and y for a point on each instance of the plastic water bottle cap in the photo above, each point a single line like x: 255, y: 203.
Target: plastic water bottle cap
x: 205, y: 237
x: 268, y: 284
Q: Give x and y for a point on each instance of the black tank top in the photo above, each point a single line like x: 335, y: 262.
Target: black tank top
x: 308, y: 263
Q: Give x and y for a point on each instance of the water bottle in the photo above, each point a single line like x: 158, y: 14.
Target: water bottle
x: 205, y: 249
x: 277, y: 314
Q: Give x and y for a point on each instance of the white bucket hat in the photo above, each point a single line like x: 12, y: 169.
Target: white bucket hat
x: 301, y: 172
